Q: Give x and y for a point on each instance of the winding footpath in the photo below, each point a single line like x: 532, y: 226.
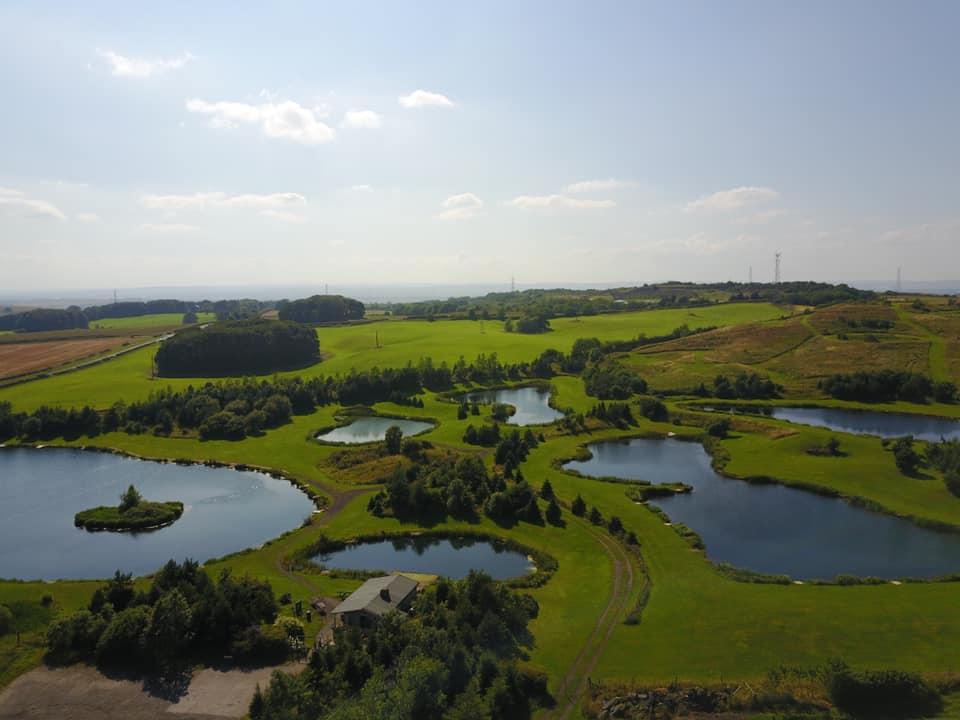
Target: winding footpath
x: 574, y: 684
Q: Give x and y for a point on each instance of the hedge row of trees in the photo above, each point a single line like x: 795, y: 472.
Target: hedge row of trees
x: 456, y: 657
x: 165, y: 410
x: 322, y: 309
x: 745, y: 386
x: 612, y: 382
x: 183, y: 615
x: 73, y: 317
x: 237, y: 347
x: 44, y: 320
x: 888, y: 385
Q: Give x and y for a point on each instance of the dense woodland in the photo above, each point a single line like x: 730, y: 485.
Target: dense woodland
x: 460, y: 486
x: 455, y: 658
x: 321, y: 309
x: 44, y: 320
x: 184, y: 615
x: 236, y: 348
x: 888, y: 385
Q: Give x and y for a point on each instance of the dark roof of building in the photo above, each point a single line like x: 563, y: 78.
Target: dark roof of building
x: 379, y: 596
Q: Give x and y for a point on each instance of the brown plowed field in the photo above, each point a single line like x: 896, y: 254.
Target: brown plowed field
x: 30, y: 357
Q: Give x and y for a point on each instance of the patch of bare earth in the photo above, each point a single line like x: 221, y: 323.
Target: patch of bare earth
x: 29, y: 357
x: 83, y: 693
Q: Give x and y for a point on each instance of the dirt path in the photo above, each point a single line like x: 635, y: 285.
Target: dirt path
x: 338, y: 501
x: 574, y: 683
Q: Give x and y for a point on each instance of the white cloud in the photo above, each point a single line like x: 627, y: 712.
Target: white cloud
x: 15, y: 203
x: 527, y: 202
x: 286, y: 120
x: 361, y: 119
x: 122, y: 66
x: 589, y: 186
x: 460, y: 207
x: 362, y: 188
x: 88, y: 217
x: 168, y: 228
x: 203, y: 201
x: 283, y: 216
x: 424, y: 98
x: 735, y: 199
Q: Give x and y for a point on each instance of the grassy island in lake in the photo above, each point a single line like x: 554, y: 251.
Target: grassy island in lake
x: 133, y: 513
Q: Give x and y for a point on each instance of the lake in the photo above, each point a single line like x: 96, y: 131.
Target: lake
x: 372, y: 429
x: 773, y: 528
x: 225, y: 511
x: 863, y: 422
x: 858, y: 422
x: 532, y: 404
x: 451, y: 557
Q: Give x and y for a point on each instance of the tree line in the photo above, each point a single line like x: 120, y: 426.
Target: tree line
x: 237, y: 347
x: 455, y: 657
x: 73, y: 317
x: 887, y: 386
x: 44, y: 320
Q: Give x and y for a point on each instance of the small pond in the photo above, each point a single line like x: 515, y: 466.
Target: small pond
x: 532, y: 404
x: 225, y: 511
x: 859, y: 422
x: 451, y: 557
x: 773, y: 528
x: 372, y: 429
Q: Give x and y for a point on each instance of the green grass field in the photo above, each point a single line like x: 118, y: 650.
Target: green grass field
x: 150, y: 321
x: 129, y: 378
x: 698, y: 625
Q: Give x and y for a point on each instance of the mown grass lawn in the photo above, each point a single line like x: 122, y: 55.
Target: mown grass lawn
x: 150, y: 321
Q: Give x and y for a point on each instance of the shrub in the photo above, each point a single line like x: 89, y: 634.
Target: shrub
x: 654, y: 409
x: 907, y: 459
x: 267, y: 646
x: 123, y: 638
x: 554, y: 514
x: 884, y: 693
x: 6, y: 619
x: 719, y: 428
x: 578, y: 507
x: 952, y: 481
x: 393, y: 440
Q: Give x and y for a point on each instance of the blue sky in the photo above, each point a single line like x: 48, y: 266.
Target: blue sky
x: 202, y: 143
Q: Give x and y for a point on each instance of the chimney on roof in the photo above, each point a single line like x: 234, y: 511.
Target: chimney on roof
x: 385, y: 594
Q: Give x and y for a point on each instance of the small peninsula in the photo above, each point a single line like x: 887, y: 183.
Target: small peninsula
x: 133, y: 513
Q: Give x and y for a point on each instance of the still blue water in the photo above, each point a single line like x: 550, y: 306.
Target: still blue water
x: 774, y: 528
x: 453, y: 557
x: 532, y: 404
x: 372, y: 429
x: 41, y: 490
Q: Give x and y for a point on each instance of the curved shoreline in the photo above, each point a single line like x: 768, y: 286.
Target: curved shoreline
x: 545, y: 565
x: 718, y: 462
x: 352, y: 418
x: 319, y: 500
